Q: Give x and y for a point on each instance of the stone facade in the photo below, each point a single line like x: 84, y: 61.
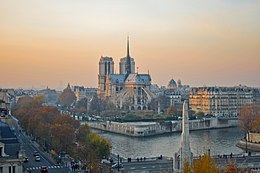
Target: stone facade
x: 81, y: 92
x: 7, y: 101
x: 253, y: 137
x: 220, y: 101
x: 127, y: 89
x: 11, y: 159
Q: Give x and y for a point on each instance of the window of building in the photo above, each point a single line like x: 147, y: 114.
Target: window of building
x: 13, y: 169
x: 1, y: 169
x: 10, y: 169
x: 1, y: 151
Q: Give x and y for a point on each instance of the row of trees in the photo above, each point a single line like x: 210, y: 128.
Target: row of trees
x: 206, y: 164
x: 60, y: 132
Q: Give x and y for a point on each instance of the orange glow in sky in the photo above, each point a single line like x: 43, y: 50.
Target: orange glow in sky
x: 50, y: 43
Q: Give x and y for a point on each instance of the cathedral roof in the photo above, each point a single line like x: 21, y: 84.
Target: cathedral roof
x: 138, y: 78
x: 117, y: 78
x: 172, y: 85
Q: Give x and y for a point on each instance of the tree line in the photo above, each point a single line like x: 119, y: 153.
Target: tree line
x: 60, y: 133
x: 206, y: 164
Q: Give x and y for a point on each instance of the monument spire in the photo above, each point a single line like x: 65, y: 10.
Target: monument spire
x: 184, y: 154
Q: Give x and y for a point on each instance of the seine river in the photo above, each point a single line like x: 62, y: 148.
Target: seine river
x: 219, y: 141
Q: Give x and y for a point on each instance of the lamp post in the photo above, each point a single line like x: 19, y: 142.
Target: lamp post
x: 246, y: 141
x: 118, y: 162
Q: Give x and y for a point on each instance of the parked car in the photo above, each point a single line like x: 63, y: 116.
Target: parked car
x: 37, y: 158
x: 116, y: 165
x: 36, y: 153
x: 25, y: 159
x: 44, y: 169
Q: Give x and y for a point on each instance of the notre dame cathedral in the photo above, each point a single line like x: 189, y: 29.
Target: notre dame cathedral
x: 128, y: 89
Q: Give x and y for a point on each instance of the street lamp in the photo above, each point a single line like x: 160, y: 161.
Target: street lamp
x: 246, y: 141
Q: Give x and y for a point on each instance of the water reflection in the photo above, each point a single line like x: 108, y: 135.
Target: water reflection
x: 219, y: 141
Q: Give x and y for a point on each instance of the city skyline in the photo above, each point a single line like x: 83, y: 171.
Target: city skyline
x: 46, y: 43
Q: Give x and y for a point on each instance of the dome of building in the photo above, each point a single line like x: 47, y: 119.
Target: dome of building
x: 172, y: 85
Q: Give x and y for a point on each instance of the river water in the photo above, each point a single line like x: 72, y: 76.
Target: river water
x: 219, y: 141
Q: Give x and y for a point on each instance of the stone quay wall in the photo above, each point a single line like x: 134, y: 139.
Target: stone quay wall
x: 140, y: 129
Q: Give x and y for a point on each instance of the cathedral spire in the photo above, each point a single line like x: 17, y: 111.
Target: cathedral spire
x: 128, y: 58
x: 128, y: 54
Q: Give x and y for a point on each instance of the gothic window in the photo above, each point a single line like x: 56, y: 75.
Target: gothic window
x: 139, y: 107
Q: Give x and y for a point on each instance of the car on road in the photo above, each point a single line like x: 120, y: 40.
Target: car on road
x: 25, y: 159
x: 37, y: 158
x: 44, y: 169
x: 116, y: 165
x: 36, y: 153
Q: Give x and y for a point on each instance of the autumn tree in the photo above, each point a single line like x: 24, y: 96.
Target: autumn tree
x: 231, y: 168
x: 61, y: 132
x: 205, y: 164
x: 186, y: 168
x: 39, y: 98
x: 101, y: 145
x: 25, y: 102
x: 67, y: 97
x: 172, y: 111
x: 66, y: 119
x: 97, y: 105
x: 110, y: 110
x: 199, y: 114
x: 88, y: 157
x: 82, y: 133
x: 82, y: 105
x: 163, y: 101
x: 249, y: 117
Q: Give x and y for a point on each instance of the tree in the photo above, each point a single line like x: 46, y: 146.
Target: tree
x: 24, y: 102
x: 39, y: 98
x: 186, y: 168
x: 101, y: 145
x: 256, y: 125
x: 66, y: 119
x: 97, y: 105
x: 163, y: 101
x: 249, y: 117
x: 82, y: 105
x: 199, y: 114
x: 248, y: 114
x: 231, y: 168
x: 67, y: 97
x: 82, y: 133
x: 205, y: 164
x: 63, y: 137
x: 172, y: 111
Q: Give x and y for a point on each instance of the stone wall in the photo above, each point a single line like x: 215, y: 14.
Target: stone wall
x: 254, y: 137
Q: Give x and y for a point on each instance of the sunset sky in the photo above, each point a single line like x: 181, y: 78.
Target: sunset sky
x: 202, y: 42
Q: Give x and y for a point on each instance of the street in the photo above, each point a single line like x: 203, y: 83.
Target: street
x: 45, y: 160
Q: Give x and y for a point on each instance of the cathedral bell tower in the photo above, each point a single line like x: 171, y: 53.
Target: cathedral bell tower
x: 106, y: 67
